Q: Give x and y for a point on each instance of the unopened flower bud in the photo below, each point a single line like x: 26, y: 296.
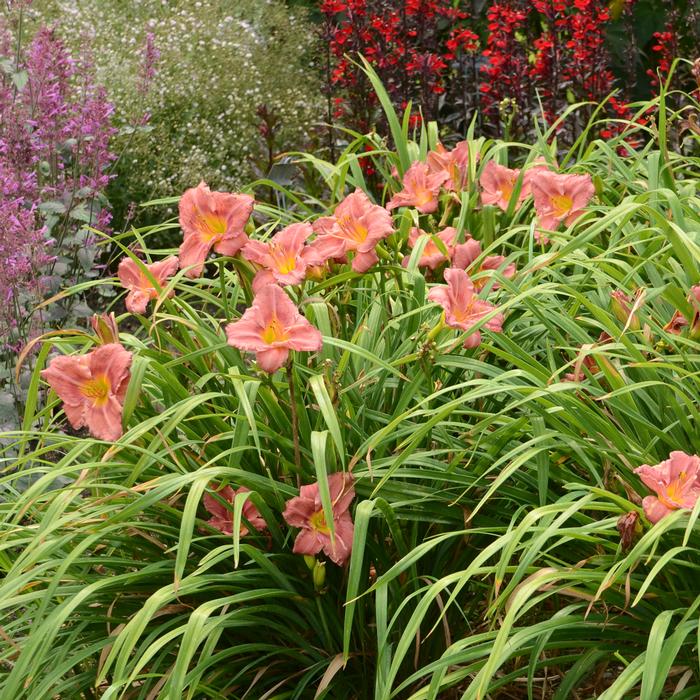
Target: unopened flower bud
x: 319, y: 575
x: 310, y: 561
x: 621, y: 306
x: 105, y: 327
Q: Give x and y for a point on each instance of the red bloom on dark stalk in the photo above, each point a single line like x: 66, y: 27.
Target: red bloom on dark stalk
x: 506, y: 68
x: 665, y: 50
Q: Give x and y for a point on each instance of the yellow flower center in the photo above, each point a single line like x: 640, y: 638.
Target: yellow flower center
x: 353, y: 229
x: 97, y: 390
x: 212, y: 227
x: 423, y: 197
x: 462, y: 315
x: 672, y: 497
x: 507, y: 191
x: 274, y: 332
x: 318, y: 523
x: 431, y: 248
x: 562, y: 204
x: 283, y: 260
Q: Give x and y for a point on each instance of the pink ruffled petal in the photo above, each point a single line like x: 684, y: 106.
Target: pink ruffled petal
x: 466, y: 253
x: 272, y: 359
x: 364, y: 261
x: 112, y: 360
x: 136, y: 301
x: 129, y: 273
x: 245, y: 334
x: 654, y: 509
x: 230, y: 245
x: 105, y: 422
x: 66, y: 375
x: 307, y: 543
x: 193, y: 253
x: 262, y: 279
x: 299, y: 509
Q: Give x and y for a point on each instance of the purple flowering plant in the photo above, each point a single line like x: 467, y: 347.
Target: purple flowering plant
x: 55, y: 157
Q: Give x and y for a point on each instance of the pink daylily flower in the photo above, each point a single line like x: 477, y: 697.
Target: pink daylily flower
x: 141, y: 289
x: 559, y: 197
x: 222, y: 517
x: 466, y: 255
x: 432, y: 256
x: 676, y: 482
x: 284, y: 258
x: 306, y: 512
x: 272, y: 327
x: 211, y: 220
x: 357, y: 225
x: 92, y: 388
x: 462, y: 306
x: 498, y: 183
x: 420, y: 189
x: 452, y: 166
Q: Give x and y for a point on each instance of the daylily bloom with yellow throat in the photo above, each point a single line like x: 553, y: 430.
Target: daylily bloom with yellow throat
x: 452, y: 166
x: 272, y: 327
x: 141, y: 289
x: 305, y: 511
x: 559, y: 197
x: 676, y: 482
x: 463, y: 308
x: 211, y: 220
x: 92, y: 388
x: 284, y: 257
x: 420, y: 189
x: 357, y: 225
x: 498, y: 183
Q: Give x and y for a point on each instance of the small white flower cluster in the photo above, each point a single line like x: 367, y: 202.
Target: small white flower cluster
x: 219, y: 61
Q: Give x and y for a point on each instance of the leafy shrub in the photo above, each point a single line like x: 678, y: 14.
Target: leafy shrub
x: 219, y: 62
x: 492, y: 489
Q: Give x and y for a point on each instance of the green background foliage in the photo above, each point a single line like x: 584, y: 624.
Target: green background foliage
x: 219, y: 61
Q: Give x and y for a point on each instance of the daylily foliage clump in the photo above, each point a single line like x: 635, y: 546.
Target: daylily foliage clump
x: 429, y: 439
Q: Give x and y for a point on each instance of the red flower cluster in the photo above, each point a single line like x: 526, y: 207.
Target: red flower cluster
x: 570, y: 56
x: 523, y: 58
x: 506, y: 70
x: 461, y: 39
x: 588, y: 65
x: 404, y: 40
